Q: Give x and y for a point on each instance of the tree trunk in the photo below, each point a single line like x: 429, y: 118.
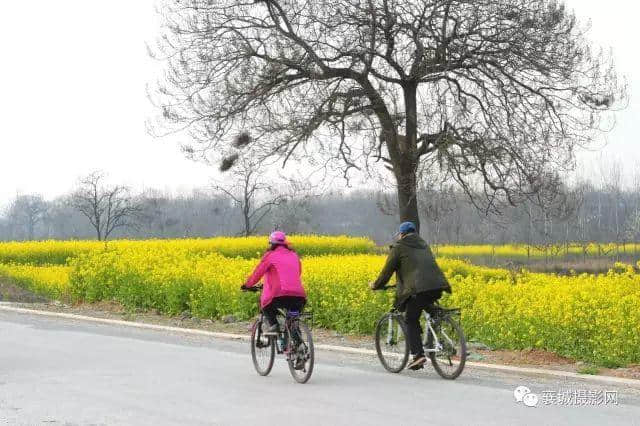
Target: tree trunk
x: 407, y: 195
x: 247, y: 224
x: 31, y: 229
x: 406, y: 166
x: 246, y: 210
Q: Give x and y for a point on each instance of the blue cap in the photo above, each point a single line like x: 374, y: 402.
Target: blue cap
x: 407, y: 227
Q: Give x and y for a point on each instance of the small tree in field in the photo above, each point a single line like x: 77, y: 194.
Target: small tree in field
x: 495, y: 93
x: 107, y: 207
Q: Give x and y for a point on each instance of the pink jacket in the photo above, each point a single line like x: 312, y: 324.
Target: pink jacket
x: 281, y: 269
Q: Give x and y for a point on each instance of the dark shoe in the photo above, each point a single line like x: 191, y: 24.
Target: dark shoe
x: 417, y: 363
x: 271, y: 331
x: 299, y: 364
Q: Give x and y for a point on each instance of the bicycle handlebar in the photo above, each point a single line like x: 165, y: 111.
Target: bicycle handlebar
x: 386, y: 287
x: 254, y: 289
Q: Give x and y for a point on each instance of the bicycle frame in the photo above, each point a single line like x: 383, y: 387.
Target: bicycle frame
x: 289, y: 321
x: 292, y: 339
x: 437, y: 346
x: 445, y: 351
x: 436, y: 343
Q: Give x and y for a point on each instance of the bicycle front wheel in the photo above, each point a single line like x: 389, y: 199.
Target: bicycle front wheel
x: 451, y: 355
x: 301, y: 355
x: 263, y: 350
x: 392, y: 345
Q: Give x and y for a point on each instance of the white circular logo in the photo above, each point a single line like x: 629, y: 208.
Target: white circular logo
x: 520, y: 392
x: 530, y: 400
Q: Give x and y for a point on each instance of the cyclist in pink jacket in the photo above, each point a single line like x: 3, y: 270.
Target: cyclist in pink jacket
x: 282, y: 288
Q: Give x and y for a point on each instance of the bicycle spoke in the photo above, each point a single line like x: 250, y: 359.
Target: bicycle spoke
x: 300, y: 356
x: 450, y: 356
x: 262, y: 350
x: 391, y: 343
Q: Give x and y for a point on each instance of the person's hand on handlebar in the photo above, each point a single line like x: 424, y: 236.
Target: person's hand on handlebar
x: 254, y: 288
x: 385, y: 287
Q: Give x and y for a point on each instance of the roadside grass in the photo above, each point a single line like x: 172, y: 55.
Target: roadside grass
x: 589, y: 369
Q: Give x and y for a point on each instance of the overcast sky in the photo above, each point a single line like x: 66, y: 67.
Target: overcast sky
x: 72, y: 94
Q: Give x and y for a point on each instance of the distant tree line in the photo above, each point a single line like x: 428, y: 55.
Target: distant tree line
x: 599, y: 210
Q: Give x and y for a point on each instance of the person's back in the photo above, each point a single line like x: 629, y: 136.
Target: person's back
x: 283, y: 276
x: 417, y: 270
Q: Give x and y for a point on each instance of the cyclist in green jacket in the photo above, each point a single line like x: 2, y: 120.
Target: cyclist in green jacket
x: 420, y: 283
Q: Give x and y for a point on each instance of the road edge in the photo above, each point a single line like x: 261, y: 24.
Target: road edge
x: 523, y: 371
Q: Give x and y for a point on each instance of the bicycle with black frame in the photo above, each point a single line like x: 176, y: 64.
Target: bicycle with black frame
x: 294, y: 340
x: 443, y: 340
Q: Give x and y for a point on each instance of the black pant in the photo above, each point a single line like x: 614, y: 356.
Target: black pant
x: 290, y: 303
x: 414, y: 307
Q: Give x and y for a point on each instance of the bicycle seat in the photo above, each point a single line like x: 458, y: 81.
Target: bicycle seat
x: 289, y: 314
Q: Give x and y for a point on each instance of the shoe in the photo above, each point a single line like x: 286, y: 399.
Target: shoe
x: 299, y: 364
x: 417, y: 363
x: 272, y: 330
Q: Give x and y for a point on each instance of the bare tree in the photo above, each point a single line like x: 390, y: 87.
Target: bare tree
x: 251, y: 193
x: 27, y: 211
x: 494, y: 92
x: 293, y: 215
x: 107, y: 207
x: 554, y: 204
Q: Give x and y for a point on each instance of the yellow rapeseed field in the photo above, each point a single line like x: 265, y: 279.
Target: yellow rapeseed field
x: 523, y: 251
x: 595, y: 318
x: 51, y: 281
x: 59, y: 252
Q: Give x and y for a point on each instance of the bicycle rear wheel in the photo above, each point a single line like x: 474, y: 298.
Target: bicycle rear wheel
x: 263, y: 350
x: 392, y: 345
x: 301, y: 354
x: 449, y: 360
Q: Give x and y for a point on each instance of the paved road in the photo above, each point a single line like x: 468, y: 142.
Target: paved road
x: 63, y: 372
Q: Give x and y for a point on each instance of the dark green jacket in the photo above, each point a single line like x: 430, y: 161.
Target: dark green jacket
x: 415, y: 267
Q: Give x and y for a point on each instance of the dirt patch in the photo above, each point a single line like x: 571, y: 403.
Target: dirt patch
x: 527, y: 357
x: 551, y: 361
x: 631, y: 372
x: 10, y: 292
